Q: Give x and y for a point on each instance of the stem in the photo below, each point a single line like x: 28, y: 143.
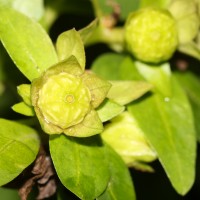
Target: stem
x: 111, y: 36
x: 96, y: 8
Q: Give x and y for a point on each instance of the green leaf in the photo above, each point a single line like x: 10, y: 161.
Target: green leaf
x: 187, y: 19
x: 27, y: 43
x: 69, y: 43
x: 109, y: 109
x: 91, y: 125
x: 123, y: 92
x: 159, y: 76
x: 107, y: 65
x: 98, y: 87
x: 19, y: 145
x: 120, y: 185
x: 23, y: 109
x: 169, y: 127
x: 158, y: 3
x: 190, y: 82
x: 83, y: 168
x: 24, y: 90
x: 190, y: 49
x: 33, y: 9
x: 9, y: 194
x: 128, y: 70
x: 125, y: 136
x: 87, y: 32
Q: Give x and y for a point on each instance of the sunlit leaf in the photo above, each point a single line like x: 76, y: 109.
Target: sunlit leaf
x: 33, y: 9
x: 27, y: 43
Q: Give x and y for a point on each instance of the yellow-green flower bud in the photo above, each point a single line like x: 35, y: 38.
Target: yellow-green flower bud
x: 128, y: 140
x: 64, y: 99
x: 151, y: 35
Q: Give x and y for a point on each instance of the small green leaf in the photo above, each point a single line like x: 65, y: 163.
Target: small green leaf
x: 83, y: 168
x: 107, y: 66
x: 69, y: 43
x: 24, y: 91
x: 98, y: 87
x: 23, y: 109
x: 27, y: 43
x: 169, y: 127
x: 109, y: 109
x: 19, y: 145
x: 33, y: 9
x: 87, y: 32
x: 123, y: 92
x: 91, y: 125
x: 120, y: 185
x: 159, y: 76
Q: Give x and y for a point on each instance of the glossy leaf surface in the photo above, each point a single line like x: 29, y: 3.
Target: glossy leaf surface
x: 26, y: 41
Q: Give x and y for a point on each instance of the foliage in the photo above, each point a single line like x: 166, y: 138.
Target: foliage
x: 74, y: 121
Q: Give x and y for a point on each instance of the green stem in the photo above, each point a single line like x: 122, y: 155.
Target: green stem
x: 96, y: 8
x: 111, y: 36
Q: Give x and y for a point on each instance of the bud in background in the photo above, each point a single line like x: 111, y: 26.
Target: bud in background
x: 151, y: 35
x: 187, y: 19
x: 128, y: 140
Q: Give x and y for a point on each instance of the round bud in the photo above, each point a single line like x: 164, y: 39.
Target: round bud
x: 151, y: 35
x: 64, y: 100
